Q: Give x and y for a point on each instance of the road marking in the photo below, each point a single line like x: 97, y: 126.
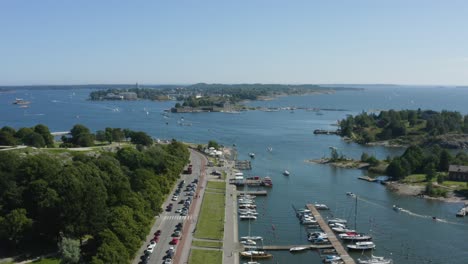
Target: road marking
x: 175, y: 217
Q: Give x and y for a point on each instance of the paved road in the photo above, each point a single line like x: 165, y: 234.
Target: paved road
x: 167, y: 221
x: 230, y: 242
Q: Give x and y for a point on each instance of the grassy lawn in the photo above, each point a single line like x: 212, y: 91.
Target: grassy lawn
x: 198, y: 256
x: 211, y: 220
x: 415, y: 178
x: 47, y: 261
x: 455, y: 185
x: 211, y: 244
x: 216, y: 185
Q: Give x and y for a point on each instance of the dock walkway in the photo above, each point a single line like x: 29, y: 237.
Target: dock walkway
x: 287, y: 247
x: 331, y: 236
x: 257, y: 193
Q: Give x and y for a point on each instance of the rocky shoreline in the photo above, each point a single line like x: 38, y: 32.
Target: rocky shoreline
x: 418, y: 190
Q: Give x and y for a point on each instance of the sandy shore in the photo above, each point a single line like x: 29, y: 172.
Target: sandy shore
x: 417, y: 190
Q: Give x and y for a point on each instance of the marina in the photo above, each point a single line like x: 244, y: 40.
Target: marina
x: 335, y: 243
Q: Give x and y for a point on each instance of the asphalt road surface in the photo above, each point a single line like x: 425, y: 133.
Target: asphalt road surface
x: 167, y: 221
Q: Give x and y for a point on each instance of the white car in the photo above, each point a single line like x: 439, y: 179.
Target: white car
x: 175, y: 197
x: 178, y: 211
x: 168, y: 261
x: 150, y: 248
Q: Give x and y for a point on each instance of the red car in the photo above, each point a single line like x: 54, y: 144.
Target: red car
x: 157, y: 233
x: 174, y: 241
x: 156, y: 239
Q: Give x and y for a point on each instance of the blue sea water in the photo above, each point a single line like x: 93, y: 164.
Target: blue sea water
x: 408, y: 237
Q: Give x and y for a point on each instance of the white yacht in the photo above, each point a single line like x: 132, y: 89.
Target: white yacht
x: 366, y: 245
x: 247, y: 217
x: 297, y: 249
x: 252, y: 238
x: 375, y: 260
x: 286, y: 173
x: 321, y: 206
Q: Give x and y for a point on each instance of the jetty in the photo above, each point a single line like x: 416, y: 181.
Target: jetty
x: 335, y: 243
x: 327, y: 132
x: 243, y: 165
x: 367, y: 178
x: 288, y: 247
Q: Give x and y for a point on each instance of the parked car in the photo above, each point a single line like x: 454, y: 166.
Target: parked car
x: 157, y: 233
x: 168, y: 261
x: 174, y: 241
x: 178, y: 211
x: 176, y: 234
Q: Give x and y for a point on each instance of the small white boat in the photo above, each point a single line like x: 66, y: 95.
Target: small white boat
x: 353, y: 236
x: 321, y: 206
x: 286, y: 173
x: 252, y: 237
x: 270, y: 149
x: 252, y: 155
x: 297, y: 249
x: 375, y: 260
x: 331, y: 258
x: 247, y: 217
x: 461, y: 212
x: 248, y: 242
x: 337, y: 220
x: 397, y: 208
x: 248, y: 212
x: 366, y: 245
x: 351, y: 194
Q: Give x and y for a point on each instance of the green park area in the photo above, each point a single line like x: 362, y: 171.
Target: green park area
x: 211, y: 220
x: 200, y: 256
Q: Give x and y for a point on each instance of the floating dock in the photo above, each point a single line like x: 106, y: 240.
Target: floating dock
x: 243, y: 165
x: 287, y: 247
x: 366, y: 178
x: 335, y: 243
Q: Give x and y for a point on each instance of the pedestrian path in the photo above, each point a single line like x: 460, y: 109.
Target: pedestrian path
x: 176, y: 217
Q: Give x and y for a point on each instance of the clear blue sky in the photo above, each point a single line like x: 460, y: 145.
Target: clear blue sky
x: 235, y: 41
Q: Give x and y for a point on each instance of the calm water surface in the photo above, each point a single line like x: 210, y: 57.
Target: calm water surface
x: 409, y: 237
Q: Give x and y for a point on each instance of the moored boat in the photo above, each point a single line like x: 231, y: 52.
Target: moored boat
x: 337, y: 220
x: 461, y: 212
x: 375, y: 260
x: 252, y: 155
x: 297, y: 249
x: 397, y: 208
x: 319, y: 206
x: 286, y: 173
x: 331, y: 258
x: 247, y: 217
x: 353, y: 236
x: 255, y: 254
x: 252, y: 237
x: 366, y: 245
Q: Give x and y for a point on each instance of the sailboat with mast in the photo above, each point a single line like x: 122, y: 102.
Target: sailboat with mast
x: 362, y: 244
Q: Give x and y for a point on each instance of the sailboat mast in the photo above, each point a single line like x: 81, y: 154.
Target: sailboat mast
x: 355, y: 214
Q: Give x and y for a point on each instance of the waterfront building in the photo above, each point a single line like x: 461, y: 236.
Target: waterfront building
x: 458, y: 173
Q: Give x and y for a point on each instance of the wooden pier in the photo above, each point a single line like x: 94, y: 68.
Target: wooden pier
x: 366, y: 178
x: 331, y: 236
x: 287, y: 247
x: 256, y: 193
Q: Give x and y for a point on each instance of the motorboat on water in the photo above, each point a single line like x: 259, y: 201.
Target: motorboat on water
x: 248, y: 217
x: 353, y: 236
x: 248, y: 211
x: 252, y: 155
x: 397, y: 208
x: 297, y: 249
x: 247, y: 206
x: 337, y: 220
x: 331, y: 258
x: 462, y: 212
x: 286, y: 173
x: 248, y: 242
x: 255, y: 254
x: 375, y: 260
x: 340, y: 228
x: 351, y: 194
x: 317, y: 235
x: 252, y: 238
x: 365, y: 245
x: 319, y: 206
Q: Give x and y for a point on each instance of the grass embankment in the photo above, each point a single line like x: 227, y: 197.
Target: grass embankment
x: 47, y: 261
x: 211, y: 221
x: 207, y: 244
x: 199, y: 256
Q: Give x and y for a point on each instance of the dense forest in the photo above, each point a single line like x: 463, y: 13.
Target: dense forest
x: 39, y: 136
x: 98, y: 204
x: 406, y: 125
x: 429, y: 161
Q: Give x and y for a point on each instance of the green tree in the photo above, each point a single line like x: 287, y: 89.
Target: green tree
x: 141, y: 138
x: 7, y: 139
x: 108, y: 133
x: 213, y: 144
x: 45, y: 133
x: 23, y: 132
x: 100, y: 136
x: 444, y: 160
x: 69, y: 250
x: 111, y: 250
x: 34, y: 140
x: 117, y: 134
x: 15, y: 225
